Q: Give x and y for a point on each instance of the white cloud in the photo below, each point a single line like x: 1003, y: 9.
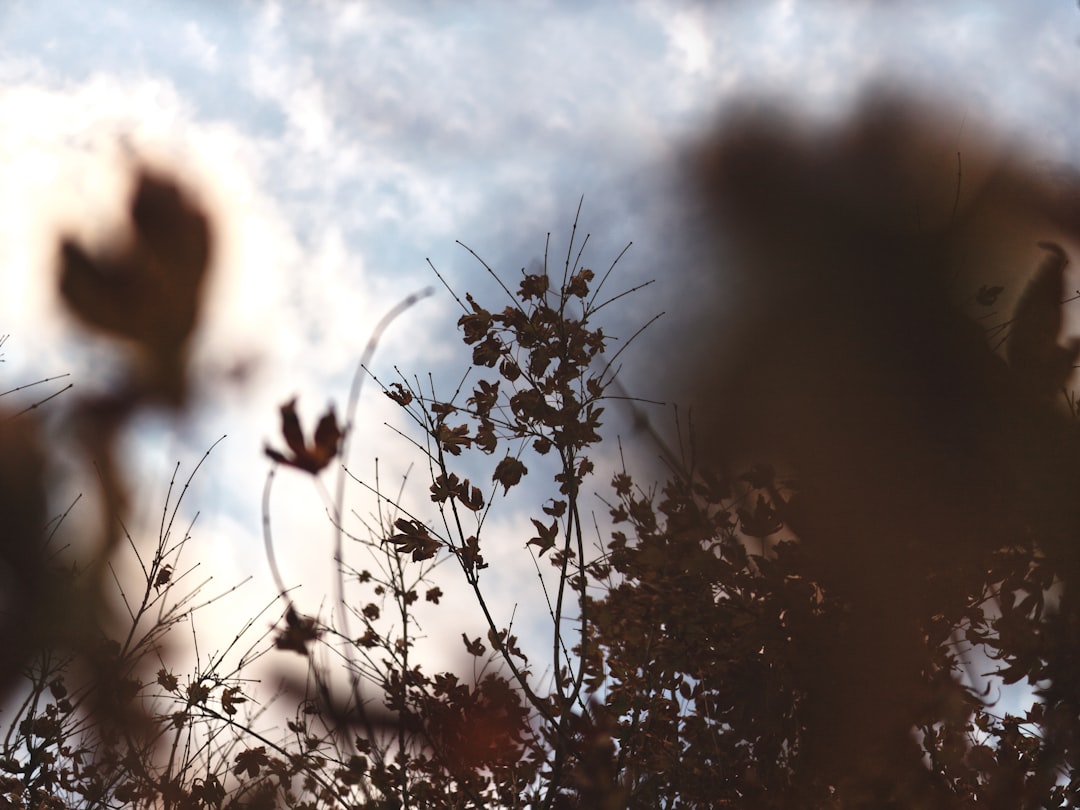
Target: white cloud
x: 200, y: 48
x: 688, y: 36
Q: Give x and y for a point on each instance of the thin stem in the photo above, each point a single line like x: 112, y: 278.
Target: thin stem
x: 268, y: 541
x: 350, y: 416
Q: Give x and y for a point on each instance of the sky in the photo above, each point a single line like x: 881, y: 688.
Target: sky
x: 339, y: 146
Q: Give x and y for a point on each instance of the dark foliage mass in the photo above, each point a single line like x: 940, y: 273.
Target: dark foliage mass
x: 875, y: 510
x: 937, y: 480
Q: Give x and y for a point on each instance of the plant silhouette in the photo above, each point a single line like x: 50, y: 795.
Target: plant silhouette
x: 874, y: 507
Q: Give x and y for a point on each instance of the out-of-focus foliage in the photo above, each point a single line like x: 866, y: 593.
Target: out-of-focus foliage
x: 934, y: 507
x: 87, y: 721
x: 148, y: 294
x: 148, y: 291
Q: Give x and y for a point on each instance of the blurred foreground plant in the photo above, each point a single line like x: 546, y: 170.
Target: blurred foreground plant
x: 94, y: 714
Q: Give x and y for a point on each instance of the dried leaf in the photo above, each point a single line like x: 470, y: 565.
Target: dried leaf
x: 413, y: 537
x: 231, y: 696
x: 533, y: 286
x: 311, y: 458
x: 579, y: 283
x: 453, y: 439
x: 399, y: 394
x: 251, y: 761
x: 508, y: 472
x: 546, y: 535
x: 475, y: 647
x: 471, y: 497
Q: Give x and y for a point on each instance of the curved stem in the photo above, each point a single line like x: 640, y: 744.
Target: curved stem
x: 268, y: 540
x: 350, y: 415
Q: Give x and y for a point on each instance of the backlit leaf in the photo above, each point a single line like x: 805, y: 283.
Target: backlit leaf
x: 508, y: 472
x: 309, y: 458
x: 545, y: 538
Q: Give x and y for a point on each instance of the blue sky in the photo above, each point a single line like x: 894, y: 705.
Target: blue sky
x: 340, y: 145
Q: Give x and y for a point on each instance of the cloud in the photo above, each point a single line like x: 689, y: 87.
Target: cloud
x: 197, y: 45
